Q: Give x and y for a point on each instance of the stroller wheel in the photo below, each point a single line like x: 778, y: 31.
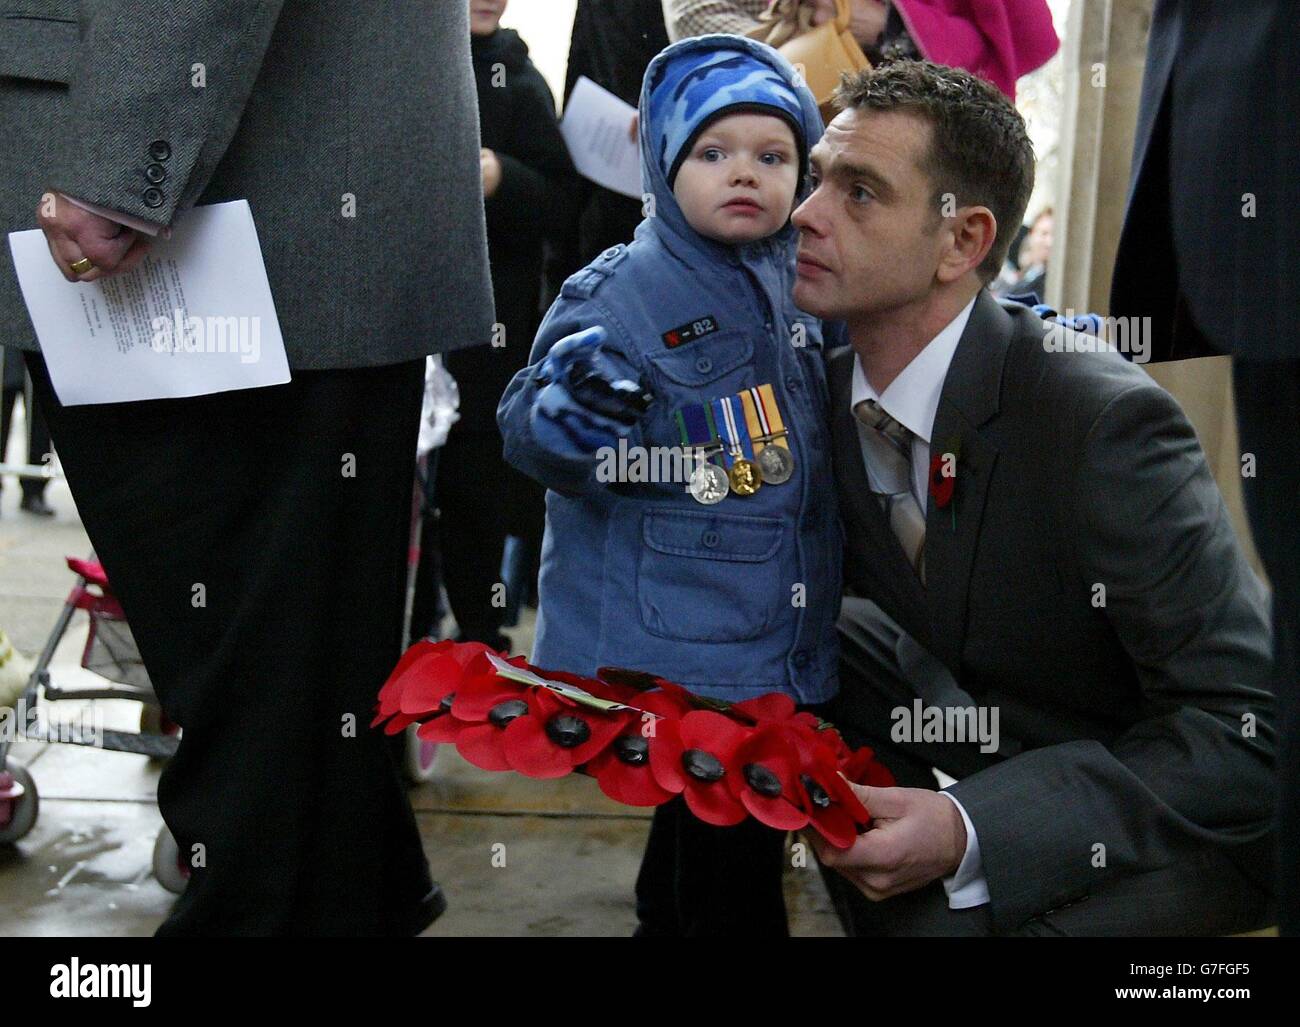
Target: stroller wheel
x: 419, y: 757
x: 19, y: 803
x: 168, y: 866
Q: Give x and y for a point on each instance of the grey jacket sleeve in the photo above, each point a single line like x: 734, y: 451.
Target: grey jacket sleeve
x: 1152, y: 528
x: 158, y: 90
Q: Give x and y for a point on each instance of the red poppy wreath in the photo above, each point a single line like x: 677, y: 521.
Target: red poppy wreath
x: 644, y: 739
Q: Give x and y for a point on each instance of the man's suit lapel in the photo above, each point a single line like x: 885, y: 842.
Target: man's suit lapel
x: 970, y: 398
x: 894, y: 585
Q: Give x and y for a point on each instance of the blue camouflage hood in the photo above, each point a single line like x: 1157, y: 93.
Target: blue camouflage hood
x: 694, y: 79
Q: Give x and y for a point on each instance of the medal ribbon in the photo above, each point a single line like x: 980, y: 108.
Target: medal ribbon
x: 737, y: 437
x: 770, y: 414
x: 695, y: 423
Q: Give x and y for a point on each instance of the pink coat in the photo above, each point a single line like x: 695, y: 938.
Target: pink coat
x: 999, y: 40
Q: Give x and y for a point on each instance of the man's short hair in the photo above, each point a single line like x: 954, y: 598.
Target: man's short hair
x: 979, y: 149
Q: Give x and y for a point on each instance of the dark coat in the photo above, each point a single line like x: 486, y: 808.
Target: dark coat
x: 517, y: 121
x: 1216, y: 128
x: 1074, y: 469
x: 612, y: 44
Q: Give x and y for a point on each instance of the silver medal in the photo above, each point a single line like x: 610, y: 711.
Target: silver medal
x: 776, y: 463
x: 709, y: 484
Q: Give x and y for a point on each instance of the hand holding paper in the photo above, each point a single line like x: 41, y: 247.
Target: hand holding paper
x: 72, y: 233
x: 193, y: 315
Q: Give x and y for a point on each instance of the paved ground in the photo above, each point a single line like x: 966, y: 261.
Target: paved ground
x: 570, y: 854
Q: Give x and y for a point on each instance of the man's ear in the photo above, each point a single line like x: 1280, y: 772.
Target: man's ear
x: 971, y: 234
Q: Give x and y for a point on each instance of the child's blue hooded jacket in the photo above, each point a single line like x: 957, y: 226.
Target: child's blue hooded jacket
x: 734, y: 599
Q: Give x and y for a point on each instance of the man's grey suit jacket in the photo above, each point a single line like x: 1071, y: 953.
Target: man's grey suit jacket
x: 1144, y: 710
x: 302, y: 107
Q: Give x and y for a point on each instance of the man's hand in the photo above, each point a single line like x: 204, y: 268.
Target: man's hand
x: 917, y: 837
x: 73, y: 233
x: 867, y: 21
x: 490, y: 167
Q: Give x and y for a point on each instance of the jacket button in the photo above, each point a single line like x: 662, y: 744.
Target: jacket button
x: 792, y: 383
x: 159, y: 150
x: 711, y: 539
x: 155, y: 173
x: 153, y: 197
x: 704, y: 365
x: 801, y: 658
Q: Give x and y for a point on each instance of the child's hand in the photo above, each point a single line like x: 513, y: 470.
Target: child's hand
x: 590, y: 396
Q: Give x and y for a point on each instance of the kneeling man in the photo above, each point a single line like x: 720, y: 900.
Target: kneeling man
x: 1046, y: 600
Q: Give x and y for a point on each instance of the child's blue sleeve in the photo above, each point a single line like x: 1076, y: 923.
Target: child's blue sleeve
x: 514, y: 413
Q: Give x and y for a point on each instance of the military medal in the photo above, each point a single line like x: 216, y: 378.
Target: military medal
x: 708, y: 482
x: 766, y: 429
x: 743, y: 472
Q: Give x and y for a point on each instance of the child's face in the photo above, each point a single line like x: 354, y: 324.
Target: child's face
x: 737, y: 184
x: 485, y: 16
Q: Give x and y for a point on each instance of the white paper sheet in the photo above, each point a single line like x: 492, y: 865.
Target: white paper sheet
x: 194, y: 317
x: 596, y: 127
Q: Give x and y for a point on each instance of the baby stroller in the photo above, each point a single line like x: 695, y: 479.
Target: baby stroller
x: 110, y: 652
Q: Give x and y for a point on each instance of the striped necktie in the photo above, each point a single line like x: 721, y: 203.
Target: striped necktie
x: 887, y: 447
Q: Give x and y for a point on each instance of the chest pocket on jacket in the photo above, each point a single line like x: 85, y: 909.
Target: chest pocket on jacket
x: 720, y: 364
x: 709, y: 577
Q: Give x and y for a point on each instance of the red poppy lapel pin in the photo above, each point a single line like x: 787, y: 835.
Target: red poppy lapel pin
x: 943, y: 476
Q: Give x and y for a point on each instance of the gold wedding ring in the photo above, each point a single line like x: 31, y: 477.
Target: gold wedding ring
x: 80, y: 267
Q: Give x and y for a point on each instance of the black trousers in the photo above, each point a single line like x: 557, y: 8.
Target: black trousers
x: 38, y: 436
x: 257, y: 542
x: 697, y: 880
x: 1268, y: 416
x: 473, y: 508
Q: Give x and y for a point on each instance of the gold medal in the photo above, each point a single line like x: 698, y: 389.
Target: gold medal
x: 745, y: 476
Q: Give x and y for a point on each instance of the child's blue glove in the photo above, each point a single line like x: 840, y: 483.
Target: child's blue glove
x: 590, y: 397
x: 1088, y: 324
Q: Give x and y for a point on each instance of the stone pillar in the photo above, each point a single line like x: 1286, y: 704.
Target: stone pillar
x: 1105, y: 53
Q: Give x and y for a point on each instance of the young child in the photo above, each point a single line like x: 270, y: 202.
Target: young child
x: 731, y: 587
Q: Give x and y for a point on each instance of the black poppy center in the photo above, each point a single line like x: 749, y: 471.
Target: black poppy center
x: 504, y: 712
x: 632, y: 749
x: 819, y: 796
x: 567, y: 732
x: 703, y: 766
x: 762, y: 780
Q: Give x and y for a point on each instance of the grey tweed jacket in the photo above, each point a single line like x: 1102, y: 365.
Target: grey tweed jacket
x: 351, y: 129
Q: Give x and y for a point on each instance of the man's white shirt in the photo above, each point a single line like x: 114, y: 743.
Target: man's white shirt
x: 912, y: 399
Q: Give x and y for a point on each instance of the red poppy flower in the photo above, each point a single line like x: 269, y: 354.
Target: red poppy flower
x: 767, y: 779
x: 832, y: 807
x: 693, y: 756
x: 476, y: 717
x: 773, y: 707
x: 623, y: 770
x: 423, y: 677
x: 558, y: 735
x: 941, y: 485
x: 390, y: 695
